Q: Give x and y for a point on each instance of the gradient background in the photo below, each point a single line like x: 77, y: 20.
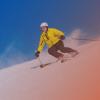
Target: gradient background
x: 77, y: 79
x: 20, y: 20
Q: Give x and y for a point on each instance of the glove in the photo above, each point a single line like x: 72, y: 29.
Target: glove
x: 37, y: 54
x: 62, y: 37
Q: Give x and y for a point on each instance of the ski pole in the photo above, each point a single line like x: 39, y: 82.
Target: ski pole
x: 40, y: 60
x: 41, y: 64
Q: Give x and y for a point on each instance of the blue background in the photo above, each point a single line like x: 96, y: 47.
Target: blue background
x: 20, y: 21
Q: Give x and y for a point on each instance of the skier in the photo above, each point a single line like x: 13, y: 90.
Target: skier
x: 54, y: 40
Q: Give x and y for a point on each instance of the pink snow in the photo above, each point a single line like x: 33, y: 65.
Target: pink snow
x: 77, y: 79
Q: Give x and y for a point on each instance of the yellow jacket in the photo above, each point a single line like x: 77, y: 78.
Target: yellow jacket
x: 50, y: 38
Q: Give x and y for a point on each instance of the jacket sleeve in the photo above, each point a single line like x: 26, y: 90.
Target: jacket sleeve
x: 41, y: 44
x: 58, y: 33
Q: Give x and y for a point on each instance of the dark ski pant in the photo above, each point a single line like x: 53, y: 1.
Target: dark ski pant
x: 59, y: 46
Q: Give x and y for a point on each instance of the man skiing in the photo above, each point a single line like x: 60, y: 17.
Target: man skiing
x: 53, y: 38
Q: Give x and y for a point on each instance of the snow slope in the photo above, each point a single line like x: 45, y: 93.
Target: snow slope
x: 77, y: 79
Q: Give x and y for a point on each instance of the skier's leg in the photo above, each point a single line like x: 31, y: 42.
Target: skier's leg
x: 66, y: 49
x: 53, y: 51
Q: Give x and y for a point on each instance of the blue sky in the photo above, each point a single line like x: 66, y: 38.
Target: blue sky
x: 20, y: 20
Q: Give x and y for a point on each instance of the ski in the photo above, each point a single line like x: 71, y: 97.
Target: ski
x: 44, y: 65
x: 65, y: 59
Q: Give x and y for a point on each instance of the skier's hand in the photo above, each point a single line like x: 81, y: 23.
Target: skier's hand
x: 62, y: 37
x: 37, y: 54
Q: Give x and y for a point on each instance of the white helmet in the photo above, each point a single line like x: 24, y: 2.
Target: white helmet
x: 44, y: 24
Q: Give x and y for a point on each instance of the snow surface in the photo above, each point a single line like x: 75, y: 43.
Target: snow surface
x: 77, y: 79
